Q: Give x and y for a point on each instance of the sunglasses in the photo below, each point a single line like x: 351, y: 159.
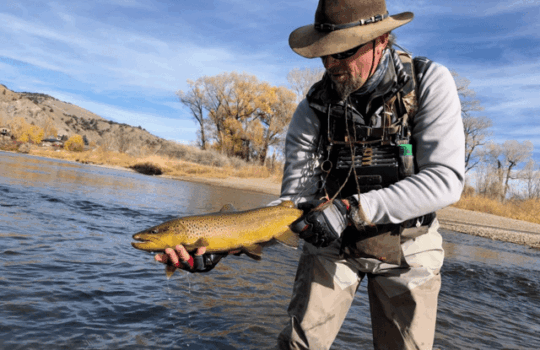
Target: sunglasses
x: 346, y: 54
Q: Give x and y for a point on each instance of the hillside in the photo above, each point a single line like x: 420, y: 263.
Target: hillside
x: 68, y: 119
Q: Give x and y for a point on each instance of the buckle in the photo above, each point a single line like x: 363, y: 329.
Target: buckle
x: 325, y: 27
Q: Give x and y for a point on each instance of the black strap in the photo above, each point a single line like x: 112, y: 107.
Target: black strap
x: 329, y: 27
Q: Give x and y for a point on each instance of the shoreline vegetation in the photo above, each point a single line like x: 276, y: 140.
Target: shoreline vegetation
x: 512, y: 221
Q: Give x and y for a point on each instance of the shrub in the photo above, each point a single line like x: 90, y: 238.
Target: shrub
x: 147, y: 168
x: 75, y: 144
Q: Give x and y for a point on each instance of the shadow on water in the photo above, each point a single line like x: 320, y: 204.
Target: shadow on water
x: 70, y: 279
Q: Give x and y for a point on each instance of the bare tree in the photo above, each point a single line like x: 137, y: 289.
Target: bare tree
x: 514, y: 154
x: 123, y: 139
x: 475, y: 136
x: 194, y: 99
x: 47, y: 124
x: 467, y: 96
x: 504, y: 159
x: 106, y: 143
x: 493, y: 171
x: 301, y: 80
x: 530, y: 174
x: 475, y: 128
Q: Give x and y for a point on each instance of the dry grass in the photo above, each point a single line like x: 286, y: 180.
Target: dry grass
x: 168, y: 166
x: 526, y: 210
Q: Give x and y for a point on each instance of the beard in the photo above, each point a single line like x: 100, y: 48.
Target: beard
x: 350, y: 85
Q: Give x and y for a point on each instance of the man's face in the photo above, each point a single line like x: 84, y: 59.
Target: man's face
x: 351, y: 73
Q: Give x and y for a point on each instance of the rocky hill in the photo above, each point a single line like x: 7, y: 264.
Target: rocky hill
x: 68, y: 119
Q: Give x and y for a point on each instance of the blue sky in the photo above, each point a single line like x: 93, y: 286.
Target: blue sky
x: 125, y: 59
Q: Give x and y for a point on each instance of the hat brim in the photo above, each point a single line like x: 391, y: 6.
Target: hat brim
x: 310, y: 43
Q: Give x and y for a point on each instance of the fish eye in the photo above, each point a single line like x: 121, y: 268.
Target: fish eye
x: 155, y: 231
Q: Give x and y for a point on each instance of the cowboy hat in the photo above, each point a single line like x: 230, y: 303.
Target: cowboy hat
x: 341, y: 25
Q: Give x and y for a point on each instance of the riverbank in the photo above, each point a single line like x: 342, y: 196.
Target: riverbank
x: 455, y: 219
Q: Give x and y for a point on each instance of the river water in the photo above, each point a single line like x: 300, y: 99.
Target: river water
x: 69, y: 277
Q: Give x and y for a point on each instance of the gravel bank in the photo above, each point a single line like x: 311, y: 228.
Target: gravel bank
x: 490, y: 226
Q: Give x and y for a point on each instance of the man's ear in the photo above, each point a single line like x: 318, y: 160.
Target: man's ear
x: 383, y: 39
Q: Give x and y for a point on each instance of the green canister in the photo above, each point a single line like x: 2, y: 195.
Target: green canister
x: 406, y: 160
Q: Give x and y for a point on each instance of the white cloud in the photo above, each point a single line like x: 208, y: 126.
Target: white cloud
x: 122, y: 58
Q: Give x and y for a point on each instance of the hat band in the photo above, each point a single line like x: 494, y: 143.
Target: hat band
x: 329, y: 27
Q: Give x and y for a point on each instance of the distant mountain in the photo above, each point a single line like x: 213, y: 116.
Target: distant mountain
x: 68, y: 119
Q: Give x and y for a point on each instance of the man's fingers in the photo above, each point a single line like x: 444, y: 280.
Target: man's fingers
x: 178, y: 256
x: 162, y: 258
x: 200, y: 251
x: 173, y: 258
x: 182, y: 252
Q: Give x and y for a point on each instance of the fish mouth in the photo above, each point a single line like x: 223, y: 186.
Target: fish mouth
x: 145, y: 242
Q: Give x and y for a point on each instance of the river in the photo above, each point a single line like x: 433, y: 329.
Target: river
x: 69, y: 277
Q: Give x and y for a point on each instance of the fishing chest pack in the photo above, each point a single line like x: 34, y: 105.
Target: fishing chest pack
x: 366, y: 145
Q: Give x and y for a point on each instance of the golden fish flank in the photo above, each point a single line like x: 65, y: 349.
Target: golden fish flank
x: 224, y: 231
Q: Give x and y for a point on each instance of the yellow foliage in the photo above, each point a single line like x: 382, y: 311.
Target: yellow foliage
x: 26, y: 132
x: 75, y: 144
x: 244, y: 116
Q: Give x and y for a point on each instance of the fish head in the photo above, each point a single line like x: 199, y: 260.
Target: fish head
x: 158, y: 238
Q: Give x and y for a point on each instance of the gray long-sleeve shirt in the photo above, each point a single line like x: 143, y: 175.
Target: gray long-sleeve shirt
x: 437, y: 132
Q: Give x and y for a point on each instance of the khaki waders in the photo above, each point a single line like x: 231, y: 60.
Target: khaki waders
x: 403, y: 300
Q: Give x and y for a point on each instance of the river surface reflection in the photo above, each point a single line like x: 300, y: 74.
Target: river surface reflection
x: 70, y: 278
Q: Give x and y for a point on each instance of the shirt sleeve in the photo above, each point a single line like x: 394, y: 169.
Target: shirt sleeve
x: 437, y: 135
x: 301, y: 173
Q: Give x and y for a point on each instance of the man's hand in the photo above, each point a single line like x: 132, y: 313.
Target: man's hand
x: 198, y: 262
x: 322, y: 222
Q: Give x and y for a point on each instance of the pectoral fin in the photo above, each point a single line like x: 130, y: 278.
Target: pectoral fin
x: 288, y: 238
x: 254, y: 251
x: 201, y: 242
x: 227, y: 208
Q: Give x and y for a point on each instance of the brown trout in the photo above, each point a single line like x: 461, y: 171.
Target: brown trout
x: 224, y: 231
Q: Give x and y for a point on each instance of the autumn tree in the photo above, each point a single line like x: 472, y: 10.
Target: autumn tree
x: 276, y: 110
x: 301, y: 80
x: 75, y: 144
x: 24, y: 131
x: 476, y: 128
x: 238, y: 115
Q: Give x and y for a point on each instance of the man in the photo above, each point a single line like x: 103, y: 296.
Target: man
x: 380, y: 140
